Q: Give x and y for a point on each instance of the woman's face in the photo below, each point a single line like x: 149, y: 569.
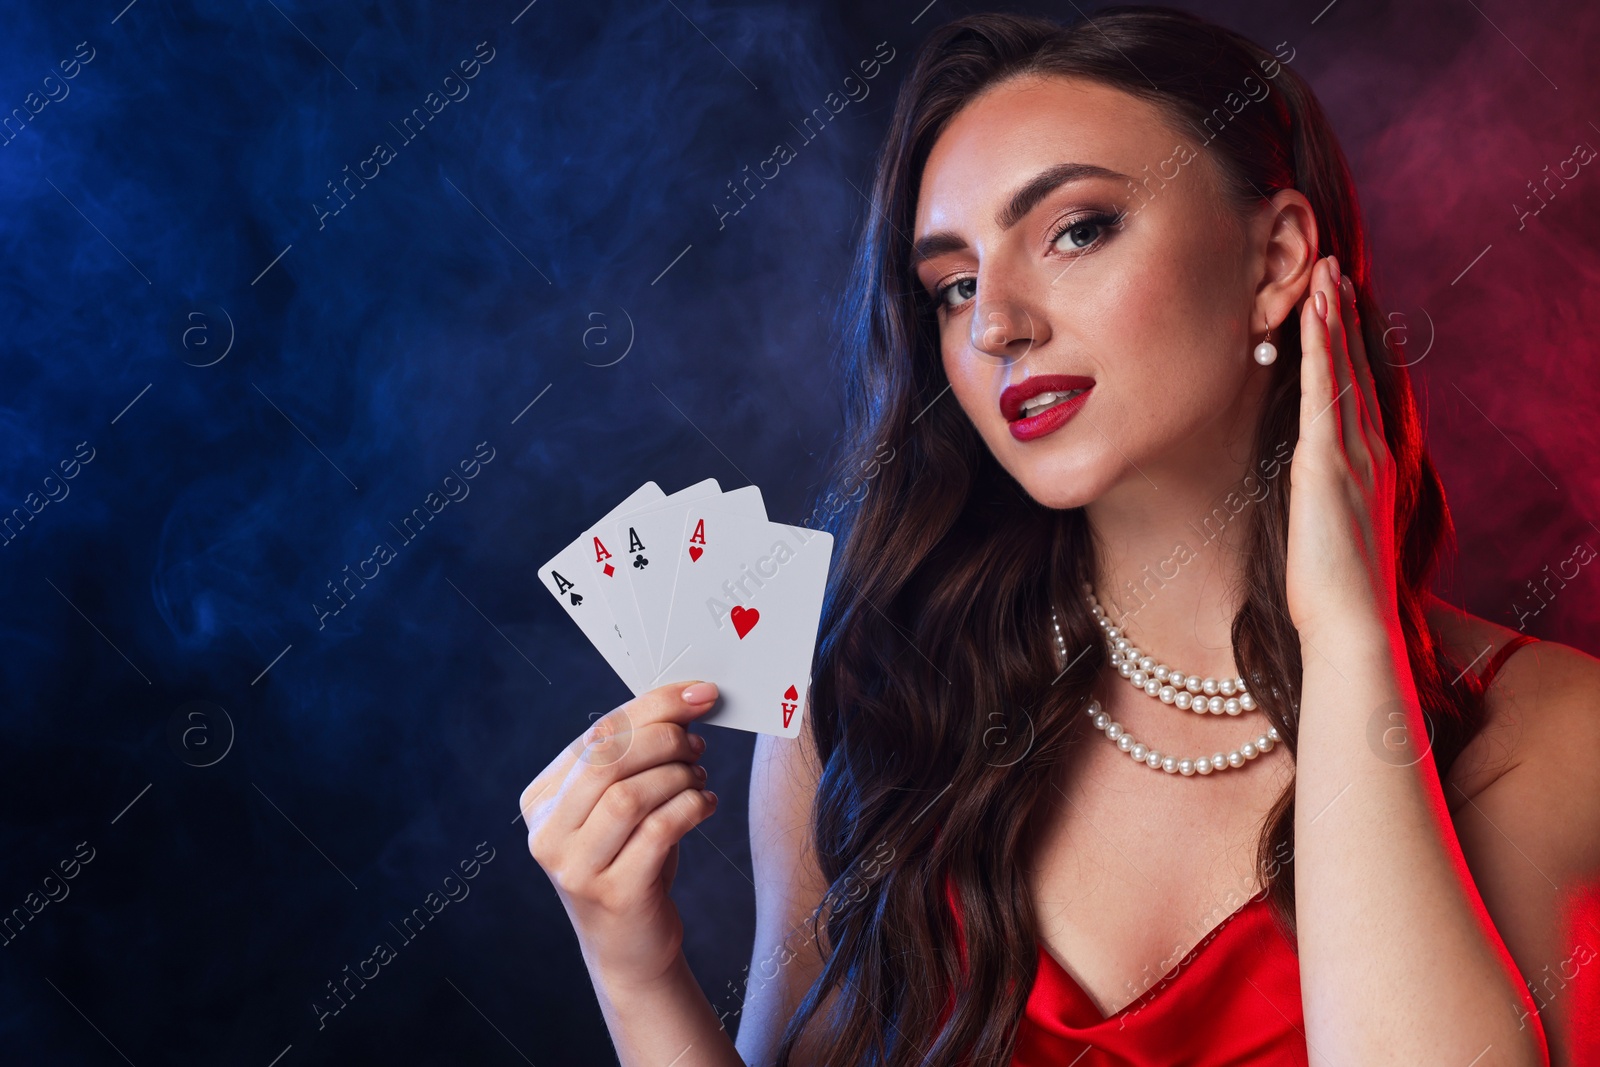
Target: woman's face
x: 1137, y: 284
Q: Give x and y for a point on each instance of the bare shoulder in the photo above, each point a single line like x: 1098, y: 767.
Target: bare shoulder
x: 1526, y: 811
x: 1541, y: 703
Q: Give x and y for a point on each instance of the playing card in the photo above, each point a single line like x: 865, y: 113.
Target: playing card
x: 609, y: 562
x: 744, y: 615
x: 570, y: 580
x: 653, y: 540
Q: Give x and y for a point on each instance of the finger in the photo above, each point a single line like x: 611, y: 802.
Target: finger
x: 624, y: 806
x: 536, y: 794
x: 614, y: 729
x: 1319, y: 416
x: 1358, y: 359
x: 579, y: 796
x: 645, y: 853
x: 1343, y: 374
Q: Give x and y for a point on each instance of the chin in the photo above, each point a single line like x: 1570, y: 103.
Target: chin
x: 1070, y: 479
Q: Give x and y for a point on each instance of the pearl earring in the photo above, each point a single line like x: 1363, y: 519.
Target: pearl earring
x: 1266, y: 352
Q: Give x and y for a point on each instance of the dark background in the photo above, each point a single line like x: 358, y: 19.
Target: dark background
x: 566, y: 207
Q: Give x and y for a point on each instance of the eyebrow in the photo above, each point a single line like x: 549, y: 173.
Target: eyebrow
x: 1024, y: 200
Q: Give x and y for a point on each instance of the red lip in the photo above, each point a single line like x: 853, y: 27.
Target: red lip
x: 1012, y: 399
x: 1052, y: 418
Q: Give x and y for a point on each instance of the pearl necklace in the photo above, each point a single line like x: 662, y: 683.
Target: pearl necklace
x: 1168, y: 685
x: 1152, y: 758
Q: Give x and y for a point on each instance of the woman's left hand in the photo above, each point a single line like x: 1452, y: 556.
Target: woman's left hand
x: 1341, y: 557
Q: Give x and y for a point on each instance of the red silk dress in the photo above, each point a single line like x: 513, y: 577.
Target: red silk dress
x: 1233, y: 1000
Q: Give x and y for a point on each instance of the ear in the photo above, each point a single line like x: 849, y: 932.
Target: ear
x: 1284, y: 236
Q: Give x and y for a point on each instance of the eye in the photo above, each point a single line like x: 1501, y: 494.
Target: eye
x: 1082, y: 232
x: 966, y: 287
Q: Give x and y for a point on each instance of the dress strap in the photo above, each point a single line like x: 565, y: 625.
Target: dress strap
x: 1504, y: 654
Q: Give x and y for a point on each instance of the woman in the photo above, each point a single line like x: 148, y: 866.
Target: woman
x: 1175, y: 451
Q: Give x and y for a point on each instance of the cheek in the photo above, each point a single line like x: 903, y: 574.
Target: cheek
x: 1161, y: 342
x: 974, y: 380
x: 1138, y: 321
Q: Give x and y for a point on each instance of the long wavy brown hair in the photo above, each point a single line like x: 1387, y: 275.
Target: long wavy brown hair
x: 935, y: 638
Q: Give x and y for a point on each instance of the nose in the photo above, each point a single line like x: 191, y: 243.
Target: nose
x: 1006, y: 330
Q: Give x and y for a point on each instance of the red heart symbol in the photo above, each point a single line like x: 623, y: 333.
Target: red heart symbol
x: 695, y: 551
x: 744, y: 620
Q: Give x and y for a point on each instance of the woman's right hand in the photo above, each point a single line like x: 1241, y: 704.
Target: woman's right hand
x: 604, y: 821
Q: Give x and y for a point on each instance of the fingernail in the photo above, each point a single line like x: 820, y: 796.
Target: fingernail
x: 1333, y: 265
x: 711, y: 796
x: 697, y: 743
x: 1321, y: 300
x: 700, y: 693
x: 700, y: 772
x: 1347, y: 286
